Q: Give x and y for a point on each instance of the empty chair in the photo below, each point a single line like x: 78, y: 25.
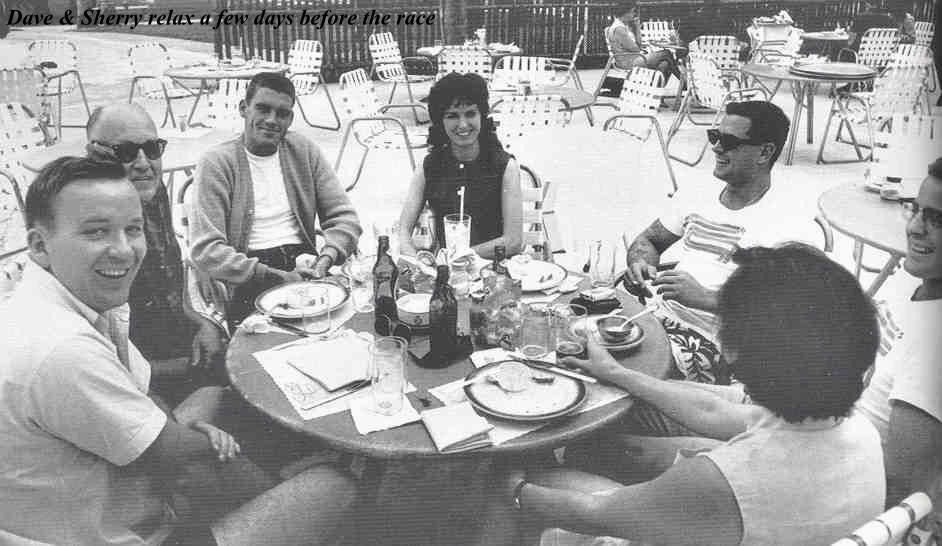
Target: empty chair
x: 640, y: 101
x: 305, y: 59
x: 12, y: 222
x: 21, y: 130
x: 390, y: 66
x: 724, y: 50
x: 569, y: 65
x: 919, y: 56
x: 149, y: 61
x: 23, y: 86
x: 877, y: 46
x: 540, y: 229
x: 370, y: 126
x: 520, y: 116
x: 656, y: 31
x: 925, y: 31
x: 465, y: 60
x: 539, y: 71
x: 222, y: 105
x: 894, y: 526
x: 58, y: 60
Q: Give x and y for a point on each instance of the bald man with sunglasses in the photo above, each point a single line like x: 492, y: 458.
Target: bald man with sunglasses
x: 180, y: 344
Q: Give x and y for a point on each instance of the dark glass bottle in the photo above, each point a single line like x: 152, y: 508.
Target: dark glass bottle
x: 443, y: 320
x: 385, y: 280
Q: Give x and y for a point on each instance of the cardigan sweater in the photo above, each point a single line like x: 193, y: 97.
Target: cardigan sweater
x: 221, y: 218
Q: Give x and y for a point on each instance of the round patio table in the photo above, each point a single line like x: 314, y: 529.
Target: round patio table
x: 868, y: 220
x: 829, y: 40
x: 211, y: 72
x: 496, y: 53
x: 803, y: 89
x: 412, y: 441
x: 577, y: 99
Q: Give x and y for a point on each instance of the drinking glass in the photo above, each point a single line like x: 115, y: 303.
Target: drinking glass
x: 388, y: 374
x: 602, y: 263
x: 313, y: 302
x: 457, y: 232
x: 361, y: 282
x: 569, y: 323
x: 537, y: 337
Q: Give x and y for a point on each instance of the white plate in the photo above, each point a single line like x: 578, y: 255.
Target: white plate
x: 635, y: 337
x: 538, y: 402
x: 536, y: 275
x: 273, y: 302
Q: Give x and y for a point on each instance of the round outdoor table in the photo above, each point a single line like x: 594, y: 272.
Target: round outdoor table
x: 829, y: 40
x: 803, y: 89
x: 208, y: 72
x: 412, y: 441
x: 435, y: 51
x: 868, y: 220
x: 577, y: 99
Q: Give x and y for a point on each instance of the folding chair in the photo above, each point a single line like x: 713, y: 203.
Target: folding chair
x: 724, y: 50
x: 370, y: 126
x: 539, y: 71
x: 877, y: 46
x: 20, y: 131
x: 465, y: 60
x: 656, y: 31
x: 23, y: 86
x: 925, y: 31
x: 305, y: 59
x: 540, y: 229
x: 896, y: 526
x: 390, y: 66
x: 919, y: 56
x: 58, y: 60
x: 519, y: 116
x: 569, y: 66
x: 149, y: 61
x: 896, y: 91
x: 640, y: 100
x: 710, y: 88
x: 222, y: 105
x: 12, y: 220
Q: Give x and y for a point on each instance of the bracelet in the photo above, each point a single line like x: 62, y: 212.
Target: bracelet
x: 517, y: 490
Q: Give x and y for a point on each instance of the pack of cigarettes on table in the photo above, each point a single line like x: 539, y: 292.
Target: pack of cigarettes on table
x: 598, y: 294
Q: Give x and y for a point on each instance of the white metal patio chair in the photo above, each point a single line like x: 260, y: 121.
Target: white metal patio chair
x: 390, y: 66
x: 21, y: 130
x: 656, y: 31
x: 12, y: 219
x: 896, y: 91
x: 465, y: 60
x: 708, y: 87
x: 640, y: 101
x: 23, y: 86
x: 305, y: 59
x: 903, y: 147
x: 149, y: 61
x: 611, y: 69
x: 877, y: 46
x: 539, y: 71
x: 918, y: 56
x: 569, y: 65
x: 371, y: 128
x: 724, y: 50
x: 58, y: 60
x: 925, y: 31
x: 540, y: 229
x: 520, y: 116
x: 896, y: 526
x: 222, y: 106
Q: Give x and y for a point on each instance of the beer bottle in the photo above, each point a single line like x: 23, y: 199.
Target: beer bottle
x: 443, y: 321
x: 385, y: 280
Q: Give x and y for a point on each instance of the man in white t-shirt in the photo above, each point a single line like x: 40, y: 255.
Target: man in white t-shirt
x: 749, y: 210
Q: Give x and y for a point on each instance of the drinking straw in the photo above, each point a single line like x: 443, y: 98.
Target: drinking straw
x: 461, y: 203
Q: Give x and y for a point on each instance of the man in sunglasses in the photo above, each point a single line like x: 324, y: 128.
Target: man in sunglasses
x: 260, y: 197
x: 749, y: 210
x: 175, y: 339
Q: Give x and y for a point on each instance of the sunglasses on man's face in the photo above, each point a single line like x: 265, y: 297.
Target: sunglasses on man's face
x: 126, y: 152
x: 931, y: 217
x: 727, y: 141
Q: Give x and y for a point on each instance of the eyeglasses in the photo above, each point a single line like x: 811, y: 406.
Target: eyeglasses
x: 126, y: 152
x: 727, y: 141
x: 386, y: 326
x: 931, y: 217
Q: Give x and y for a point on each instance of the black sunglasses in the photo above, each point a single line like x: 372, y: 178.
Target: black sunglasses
x: 727, y: 141
x: 931, y: 217
x: 386, y: 326
x: 126, y: 152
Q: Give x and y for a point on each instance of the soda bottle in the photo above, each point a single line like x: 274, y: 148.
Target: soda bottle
x: 385, y: 281
x: 423, y: 234
x: 443, y: 321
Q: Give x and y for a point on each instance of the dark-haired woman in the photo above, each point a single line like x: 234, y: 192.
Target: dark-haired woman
x: 793, y: 467
x: 464, y: 152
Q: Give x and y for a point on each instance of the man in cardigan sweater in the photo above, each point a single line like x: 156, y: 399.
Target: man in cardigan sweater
x: 258, y: 198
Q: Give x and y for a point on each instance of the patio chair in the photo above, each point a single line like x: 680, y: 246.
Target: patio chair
x: 390, y: 66
x: 919, y: 56
x: 640, y: 101
x: 925, y: 31
x: 20, y: 131
x: 540, y: 229
x: 23, y: 86
x: 903, y: 147
x: 768, y: 50
x: 896, y: 91
x: 539, y: 71
x: 305, y: 59
x: 895, y: 526
x: 876, y: 48
x: 724, y: 50
x: 370, y: 126
x: 611, y: 68
x: 149, y: 61
x: 58, y: 60
x: 222, y: 105
x: 12, y: 219
x: 656, y: 31
x: 709, y: 88
x: 465, y: 60
x: 519, y: 116
x: 569, y: 66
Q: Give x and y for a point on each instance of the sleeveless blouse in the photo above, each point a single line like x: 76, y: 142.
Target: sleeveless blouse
x: 482, y: 179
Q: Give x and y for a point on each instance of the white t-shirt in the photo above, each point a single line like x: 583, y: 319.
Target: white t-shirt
x: 273, y: 222
x: 710, y: 233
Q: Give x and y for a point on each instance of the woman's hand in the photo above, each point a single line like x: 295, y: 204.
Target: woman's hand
x: 600, y: 363
x: 225, y: 446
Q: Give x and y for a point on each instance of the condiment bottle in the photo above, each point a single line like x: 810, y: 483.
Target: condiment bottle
x: 385, y: 281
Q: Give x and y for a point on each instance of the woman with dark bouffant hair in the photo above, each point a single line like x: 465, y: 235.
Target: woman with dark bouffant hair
x: 464, y: 152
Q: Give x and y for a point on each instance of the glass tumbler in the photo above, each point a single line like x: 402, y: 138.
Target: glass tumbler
x: 537, y: 337
x: 388, y: 374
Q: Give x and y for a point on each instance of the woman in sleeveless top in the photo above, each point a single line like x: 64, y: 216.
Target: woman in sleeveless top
x: 464, y: 152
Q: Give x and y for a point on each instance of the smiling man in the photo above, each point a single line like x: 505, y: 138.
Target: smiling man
x: 260, y: 197
x: 748, y: 211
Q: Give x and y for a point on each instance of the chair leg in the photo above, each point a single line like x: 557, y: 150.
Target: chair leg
x: 366, y: 151
x: 838, y: 109
x: 392, y: 93
x: 333, y: 111
x: 59, y: 110
x: 699, y: 157
x: 589, y: 117
x: 667, y: 160
x: 415, y: 111
x: 343, y: 146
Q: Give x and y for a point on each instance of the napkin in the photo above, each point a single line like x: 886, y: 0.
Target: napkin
x: 486, y: 356
x: 367, y: 419
x: 333, y: 363
x: 457, y: 428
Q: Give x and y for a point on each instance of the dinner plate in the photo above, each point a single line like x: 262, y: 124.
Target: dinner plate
x: 274, y: 301
x: 635, y: 336
x: 874, y: 186
x: 538, y: 402
x: 535, y: 275
x: 834, y: 70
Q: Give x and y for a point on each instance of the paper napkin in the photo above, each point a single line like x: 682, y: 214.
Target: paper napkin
x: 333, y: 363
x: 457, y: 428
x: 367, y: 419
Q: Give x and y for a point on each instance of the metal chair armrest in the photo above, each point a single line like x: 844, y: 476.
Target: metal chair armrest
x: 385, y: 107
x: 608, y: 123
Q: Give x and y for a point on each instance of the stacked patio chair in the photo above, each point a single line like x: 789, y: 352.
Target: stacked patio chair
x: 520, y: 116
x: 709, y: 88
x: 540, y: 230
x: 877, y: 46
x: 305, y: 59
x: 895, y: 526
x: 918, y: 56
x: 222, y: 105
x: 465, y: 60
x: 896, y: 91
x: 390, y: 66
x: 58, y: 60
x: 640, y: 101
x: 925, y: 31
x: 369, y: 125
x: 149, y: 61
x: 656, y: 31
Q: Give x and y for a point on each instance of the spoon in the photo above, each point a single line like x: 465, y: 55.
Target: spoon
x: 649, y: 309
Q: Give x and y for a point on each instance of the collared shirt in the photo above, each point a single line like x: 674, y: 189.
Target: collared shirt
x: 72, y: 414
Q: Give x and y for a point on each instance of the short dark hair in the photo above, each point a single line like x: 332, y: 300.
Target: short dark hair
x: 455, y: 88
x: 58, y: 174
x: 935, y: 169
x: 625, y: 6
x: 768, y: 123
x: 271, y: 80
x: 802, y: 331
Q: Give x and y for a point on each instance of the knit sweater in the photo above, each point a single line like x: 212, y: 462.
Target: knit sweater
x: 221, y: 218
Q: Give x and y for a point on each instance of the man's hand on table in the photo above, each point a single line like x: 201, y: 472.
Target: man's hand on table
x: 600, y: 363
x: 225, y: 446
x: 681, y: 287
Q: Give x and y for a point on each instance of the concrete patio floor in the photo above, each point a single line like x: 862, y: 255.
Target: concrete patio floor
x: 608, y: 184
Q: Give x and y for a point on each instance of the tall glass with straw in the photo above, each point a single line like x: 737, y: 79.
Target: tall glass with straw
x: 458, y: 229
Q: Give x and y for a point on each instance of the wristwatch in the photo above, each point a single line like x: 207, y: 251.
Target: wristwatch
x: 517, y: 490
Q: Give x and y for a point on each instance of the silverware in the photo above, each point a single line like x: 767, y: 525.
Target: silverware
x: 293, y: 329
x: 359, y: 385
x: 552, y: 368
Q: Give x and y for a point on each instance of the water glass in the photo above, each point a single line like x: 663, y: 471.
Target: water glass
x: 388, y: 374
x: 457, y: 232
x: 602, y: 263
x: 537, y: 337
x: 313, y: 303
x: 569, y: 323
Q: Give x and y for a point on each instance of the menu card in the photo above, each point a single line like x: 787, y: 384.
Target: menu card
x: 457, y: 428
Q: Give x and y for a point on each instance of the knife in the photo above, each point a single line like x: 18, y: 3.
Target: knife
x: 546, y: 366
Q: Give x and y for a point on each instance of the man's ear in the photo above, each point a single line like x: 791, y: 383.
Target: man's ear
x: 766, y: 152
x: 37, y: 242
x: 242, y: 107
